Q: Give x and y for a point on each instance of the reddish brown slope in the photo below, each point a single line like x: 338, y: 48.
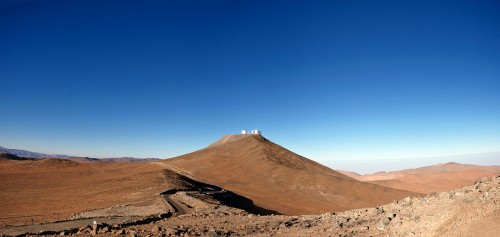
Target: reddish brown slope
x: 43, y: 190
x: 435, y: 178
x: 278, y: 179
x: 351, y: 174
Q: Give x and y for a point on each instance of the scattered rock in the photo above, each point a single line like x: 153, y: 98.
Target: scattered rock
x: 292, y: 222
x: 407, y: 201
x: 484, y: 180
x: 104, y: 230
x: 399, y: 224
x: 444, y: 195
x: 211, y: 234
x: 156, y: 229
x: 306, y: 224
x: 84, y: 230
x: 382, y: 223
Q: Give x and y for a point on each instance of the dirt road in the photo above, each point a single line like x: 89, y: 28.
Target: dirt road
x: 179, y: 208
x: 63, y: 225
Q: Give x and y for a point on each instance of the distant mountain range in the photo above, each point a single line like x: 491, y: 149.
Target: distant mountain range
x: 30, y: 154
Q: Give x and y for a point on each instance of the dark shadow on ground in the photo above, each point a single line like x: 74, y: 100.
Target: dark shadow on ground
x: 231, y: 199
x: 224, y: 196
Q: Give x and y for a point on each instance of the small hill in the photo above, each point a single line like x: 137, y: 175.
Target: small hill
x: 277, y: 179
x: 435, y: 178
x: 83, y: 159
x: 55, y: 163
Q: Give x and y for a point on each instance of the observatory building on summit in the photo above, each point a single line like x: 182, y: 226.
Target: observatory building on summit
x: 257, y: 132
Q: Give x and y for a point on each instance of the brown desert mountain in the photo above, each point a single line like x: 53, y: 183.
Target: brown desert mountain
x: 277, y: 179
x: 435, y: 178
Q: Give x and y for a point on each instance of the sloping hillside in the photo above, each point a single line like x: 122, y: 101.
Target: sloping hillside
x: 351, y: 174
x: 278, y: 179
x: 44, y: 190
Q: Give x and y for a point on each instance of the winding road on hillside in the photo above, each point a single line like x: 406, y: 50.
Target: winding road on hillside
x: 178, y: 206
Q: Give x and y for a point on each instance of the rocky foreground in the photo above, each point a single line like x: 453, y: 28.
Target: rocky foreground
x: 470, y: 211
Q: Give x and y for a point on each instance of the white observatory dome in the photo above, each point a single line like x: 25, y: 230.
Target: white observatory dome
x: 244, y: 132
x: 256, y: 132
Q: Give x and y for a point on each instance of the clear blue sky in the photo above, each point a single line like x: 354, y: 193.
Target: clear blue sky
x: 330, y: 80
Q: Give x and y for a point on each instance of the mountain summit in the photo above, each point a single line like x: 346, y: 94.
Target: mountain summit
x: 278, y: 179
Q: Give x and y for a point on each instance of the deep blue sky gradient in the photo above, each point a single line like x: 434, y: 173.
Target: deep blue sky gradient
x: 331, y: 80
